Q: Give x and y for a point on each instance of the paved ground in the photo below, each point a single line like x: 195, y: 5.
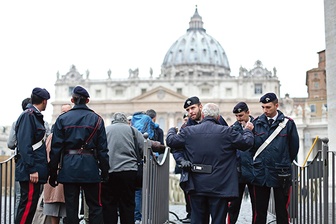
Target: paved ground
x: 245, y: 216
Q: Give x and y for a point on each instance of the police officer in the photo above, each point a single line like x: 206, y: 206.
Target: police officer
x: 244, y: 163
x: 211, y: 149
x: 79, y: 146
x: 31, y: 168
x: 272, y: 165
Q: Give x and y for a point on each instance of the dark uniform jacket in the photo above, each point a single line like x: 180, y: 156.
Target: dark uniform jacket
x: 29, y: 131
x: 244, y: 159
x: 277, y: 157
x: 210, y: 143
x: 71, y: 130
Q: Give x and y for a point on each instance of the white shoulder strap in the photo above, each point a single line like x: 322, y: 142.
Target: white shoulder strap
x: 271, y: 137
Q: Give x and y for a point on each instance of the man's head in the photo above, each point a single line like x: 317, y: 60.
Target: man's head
x: 210, y: 110
x: 39, y: 98
x: 25, y: 102
x: 152, y: 114
x: 269, y: 104
x: 194, y: 108
x: 241, y: 112
x: 65, y: 108
x: 119, y: 117
x: 80, y: 95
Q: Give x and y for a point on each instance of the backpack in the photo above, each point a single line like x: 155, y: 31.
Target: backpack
x: 144, y: 123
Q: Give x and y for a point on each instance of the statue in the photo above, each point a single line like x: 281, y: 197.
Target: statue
x: 151, y: 72
x: 299, y: 111
x: 288, y: 104
x: 109, y: 73
x: 57, y: 75
x: 274, y: 71
x: 133, y: 73
x: 87, y: 74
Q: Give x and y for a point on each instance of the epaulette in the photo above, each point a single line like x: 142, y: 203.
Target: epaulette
x: 289, y: 118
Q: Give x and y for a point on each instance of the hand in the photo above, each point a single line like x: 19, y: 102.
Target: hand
x: 175, y: 129
x: 249, y: 126
x: 34, y: 177
x: 53, y: 180
x: 186, y: 165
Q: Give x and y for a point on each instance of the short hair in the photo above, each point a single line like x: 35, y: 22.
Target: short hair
x: 210, y: 109
x: 119, y: 117
x: 151, y: 113
x: 25, y: 102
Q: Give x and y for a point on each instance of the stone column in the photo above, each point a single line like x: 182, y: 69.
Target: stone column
x: 330, y: 34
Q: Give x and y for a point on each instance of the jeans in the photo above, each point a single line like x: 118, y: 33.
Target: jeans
x: 138, y: 204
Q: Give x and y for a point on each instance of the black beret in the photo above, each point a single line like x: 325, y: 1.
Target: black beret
x: 81, y: 91
x: 43, y: 93
x: 240, y: 107
x: 268, y: 97
x: 191, y: 101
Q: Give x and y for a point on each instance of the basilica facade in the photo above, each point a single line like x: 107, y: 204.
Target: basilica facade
x: 195, y: 65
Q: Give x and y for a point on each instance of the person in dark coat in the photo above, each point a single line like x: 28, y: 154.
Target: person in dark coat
x: 31, y: 168
x: 193, y: 107
x: 272, y: 166
x: 79, y: 147
x: 210, y: 151
x: 244, y: 166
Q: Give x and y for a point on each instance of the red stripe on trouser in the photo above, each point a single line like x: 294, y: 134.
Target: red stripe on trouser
x: 228, y: 218
x: 288, y: 201
x: 99, y: 195
x: 29, y: 203
x: 255, y: 205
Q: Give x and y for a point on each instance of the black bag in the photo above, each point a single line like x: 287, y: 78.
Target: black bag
x: 139, y: 176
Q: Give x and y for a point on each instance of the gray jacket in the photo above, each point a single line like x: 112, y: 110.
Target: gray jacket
x: 121, y: 146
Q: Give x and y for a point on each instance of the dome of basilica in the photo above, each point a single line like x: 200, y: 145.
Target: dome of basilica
x: 196, y: 47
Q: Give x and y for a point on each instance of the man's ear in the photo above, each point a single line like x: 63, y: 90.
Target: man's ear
x: 72, y: 100
x: 87, y: 100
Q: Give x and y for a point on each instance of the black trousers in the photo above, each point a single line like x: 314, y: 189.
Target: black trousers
x: 234, y: 206
x: 30, y: 193
x: 205, y: 206
x: 92, y: 198
x: 281, y: 198
x: 119, y: 194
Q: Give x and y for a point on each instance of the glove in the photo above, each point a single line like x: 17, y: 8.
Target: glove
x: 185, y: 165
x: 53, y: 180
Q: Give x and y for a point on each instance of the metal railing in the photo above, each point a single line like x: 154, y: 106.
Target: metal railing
x: 155, y: 188
x: 313, y: 190
x: 7, y: 193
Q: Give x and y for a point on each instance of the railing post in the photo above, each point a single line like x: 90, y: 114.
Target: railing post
x: 325, y: 180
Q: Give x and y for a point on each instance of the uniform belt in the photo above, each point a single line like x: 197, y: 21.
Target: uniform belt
x: 37, y: 145
x: 201, y: 168
x: 79, y: 151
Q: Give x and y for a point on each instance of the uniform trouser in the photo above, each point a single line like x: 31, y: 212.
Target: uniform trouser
x: 188, y: 207
x: 119, y: 193
x: 203, y: 207
x: 92, y: 198
x: 30, y: 193
x: 234, y: 205
x: 281, y: 199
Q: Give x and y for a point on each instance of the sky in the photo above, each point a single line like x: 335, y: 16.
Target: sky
x: 39, y: 38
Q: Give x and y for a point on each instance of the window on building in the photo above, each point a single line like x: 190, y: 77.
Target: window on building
x: 98, y: 93
x: 179, y: 90
x: 119, y: 92
x: 205, y: 91
x: 143, y: 91
x: 228, y: 92
x: 258, y: 88
x: 316, y: 85
x: 70, y: 90
x: 162, y: 123
x: 313, y: 108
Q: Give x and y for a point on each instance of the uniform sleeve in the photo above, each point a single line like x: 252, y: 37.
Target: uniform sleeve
x: 56, y: 147
x: 102, y: 150
x: 293, y: 142
x: 25, y: 136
